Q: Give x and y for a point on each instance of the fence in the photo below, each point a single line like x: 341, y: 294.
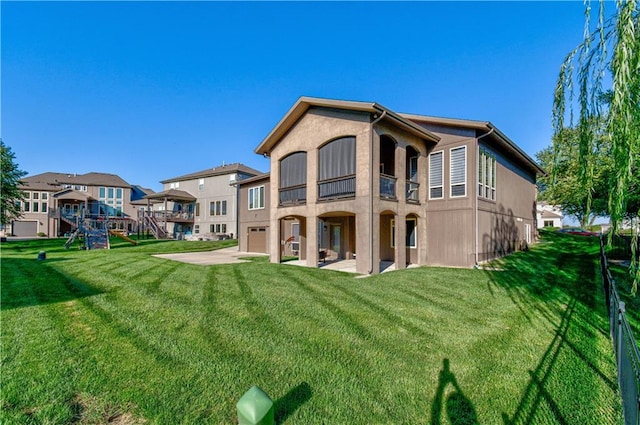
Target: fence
x: 624, y: 345
x: 621, y: 247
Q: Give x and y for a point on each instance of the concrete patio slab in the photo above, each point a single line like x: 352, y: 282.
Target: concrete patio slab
x: 208, y: 258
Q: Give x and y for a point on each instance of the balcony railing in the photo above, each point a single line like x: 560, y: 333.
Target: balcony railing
x: 294, y: 195
x: 387, y: 186
x: 413, y: 191
x: 173, y: 216
x: 342, y: 187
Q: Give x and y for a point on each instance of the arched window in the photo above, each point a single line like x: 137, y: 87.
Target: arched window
x: 337, y: 169
x: 293, y: 179
x: 387, y: 167
x: 413, y: 184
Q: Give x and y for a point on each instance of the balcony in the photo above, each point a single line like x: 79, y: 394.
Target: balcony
x: 341, y: 187
x: 294, y: 195
x: 387, y: 186
x: 173, y: 216
x: 413, y: 192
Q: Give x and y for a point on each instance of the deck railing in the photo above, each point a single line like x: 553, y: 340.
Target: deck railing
x: 342, y: 187
x: 294, y: 195
x: 413, y: 191
x: 387, y: 186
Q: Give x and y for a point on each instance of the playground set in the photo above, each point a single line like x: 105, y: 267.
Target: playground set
x: 92, y: 232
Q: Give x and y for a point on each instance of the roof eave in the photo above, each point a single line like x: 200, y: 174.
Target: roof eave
x: 304, y: 103
x: 516, y: 149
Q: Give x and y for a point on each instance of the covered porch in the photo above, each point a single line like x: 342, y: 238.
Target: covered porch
x: 168, y: 214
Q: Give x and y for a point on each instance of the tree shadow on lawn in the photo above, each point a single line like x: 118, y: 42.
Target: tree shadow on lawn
x: 28, y: 282
x: 559, y: 279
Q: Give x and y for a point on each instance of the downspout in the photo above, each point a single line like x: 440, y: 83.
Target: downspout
x: 476, y: 189
x: 371, y: 168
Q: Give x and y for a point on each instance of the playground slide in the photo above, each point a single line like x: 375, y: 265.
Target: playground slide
x: 122, y: 236
x: 72, y: 238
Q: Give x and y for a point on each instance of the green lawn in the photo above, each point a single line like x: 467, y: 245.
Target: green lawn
x: 119, y: 336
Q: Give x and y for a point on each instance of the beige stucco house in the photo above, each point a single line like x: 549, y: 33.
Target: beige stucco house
x: 366, y: 183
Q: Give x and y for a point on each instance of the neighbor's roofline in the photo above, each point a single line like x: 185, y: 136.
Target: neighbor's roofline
x: 304, y: 103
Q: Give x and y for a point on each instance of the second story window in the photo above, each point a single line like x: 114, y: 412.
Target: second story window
x: 337, y: 169
x: 436, y: 175
x: 200, y: 184
x: 256, y: 198
x: 218, y: 208
x: 293, y: 179
x: 458, y: 171
x: 487, y: 175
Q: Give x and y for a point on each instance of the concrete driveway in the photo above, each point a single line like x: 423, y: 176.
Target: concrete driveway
x: 219, y: 256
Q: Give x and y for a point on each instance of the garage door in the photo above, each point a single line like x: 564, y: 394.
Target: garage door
x: 24, y: 228
x: 257, y: 239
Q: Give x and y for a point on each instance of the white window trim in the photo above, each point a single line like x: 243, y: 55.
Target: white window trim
x: 487, y: 181
x: 464, y: 148
x: 252, y: 190
x: 441, y: 177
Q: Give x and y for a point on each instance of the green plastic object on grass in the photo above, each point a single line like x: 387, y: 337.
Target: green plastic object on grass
x: 255, y: 407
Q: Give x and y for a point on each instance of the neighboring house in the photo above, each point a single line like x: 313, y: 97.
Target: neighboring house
x: 367, y: 183
x: 254, y: 219
x: 202, y: 203
x: 548, y: 215
x: 54, y: 202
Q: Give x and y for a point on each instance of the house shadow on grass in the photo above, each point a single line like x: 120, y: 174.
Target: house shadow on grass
x: 286, y: 405
x: 28, y: 283
x: 558, y: 280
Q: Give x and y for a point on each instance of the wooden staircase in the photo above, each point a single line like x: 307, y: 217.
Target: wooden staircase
x: 151, y: 223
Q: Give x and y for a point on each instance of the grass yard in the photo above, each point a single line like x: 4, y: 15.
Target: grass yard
x: 119, y: 336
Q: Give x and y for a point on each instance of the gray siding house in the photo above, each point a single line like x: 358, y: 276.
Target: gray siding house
x: 204, y: 203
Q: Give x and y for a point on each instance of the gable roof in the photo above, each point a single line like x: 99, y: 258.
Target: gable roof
x: 216, y: 171
x: 549, y: 214
x: 258, y: 178
x: 303, y: 104
x: 171, y: 195
x: 70, y: 194
x: 489, y: 129
x: 88, y: 179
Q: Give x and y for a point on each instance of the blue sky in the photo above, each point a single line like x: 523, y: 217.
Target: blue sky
x: 154, y: 90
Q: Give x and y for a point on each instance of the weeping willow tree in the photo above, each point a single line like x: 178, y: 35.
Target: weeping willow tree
x: 598, y: 92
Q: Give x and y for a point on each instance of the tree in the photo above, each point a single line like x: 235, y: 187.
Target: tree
x: 562, y: 185
x: 11, y: 194
x: 612, y: 50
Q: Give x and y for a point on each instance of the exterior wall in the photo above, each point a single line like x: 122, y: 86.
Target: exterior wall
x: 555, y: 221
x: 451, y: 231
x: 252, y: 218
x: 215, y: 188
x: 365, y: 219
x: 450, y: 236
x: 314, y: 129
x: 44, y: 225
x: 503, y: 224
